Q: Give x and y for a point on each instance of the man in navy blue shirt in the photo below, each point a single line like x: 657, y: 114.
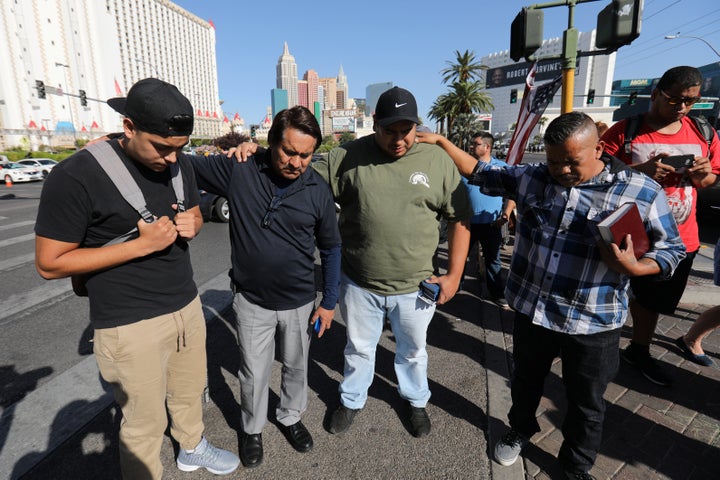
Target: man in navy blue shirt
x: 279, y: 210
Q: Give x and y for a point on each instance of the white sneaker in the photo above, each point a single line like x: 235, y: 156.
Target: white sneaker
x: 205, y: 455
x: 508, y: 449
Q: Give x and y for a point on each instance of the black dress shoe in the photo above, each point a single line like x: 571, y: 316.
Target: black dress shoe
x: 251, y: 449
x: 298, y: 436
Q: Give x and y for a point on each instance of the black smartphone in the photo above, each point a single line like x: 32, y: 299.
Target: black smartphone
x: 429, y: 292
x: 679, y: 162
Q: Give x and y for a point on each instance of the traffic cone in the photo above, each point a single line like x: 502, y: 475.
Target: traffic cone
x: 8, y: 181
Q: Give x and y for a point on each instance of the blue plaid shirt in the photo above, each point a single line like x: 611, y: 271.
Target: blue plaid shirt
x: 557, y: 277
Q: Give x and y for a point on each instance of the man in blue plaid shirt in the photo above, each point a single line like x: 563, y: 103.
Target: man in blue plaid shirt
x: 568, y: 288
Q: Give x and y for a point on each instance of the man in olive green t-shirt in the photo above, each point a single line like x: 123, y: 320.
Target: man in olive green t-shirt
x: 392, y: 192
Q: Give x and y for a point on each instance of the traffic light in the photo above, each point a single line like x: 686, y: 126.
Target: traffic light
x: 633, y: 98
x: 83, y: 98
x: 513, y: 95
x: 252, y: 131
x: 40, y: 85
x: 591, y: 96
x: 618, y: 23
x: 526, y: 33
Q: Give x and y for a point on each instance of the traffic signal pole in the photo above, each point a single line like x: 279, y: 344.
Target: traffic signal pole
x: 570, y: 40
x: 618, y: 24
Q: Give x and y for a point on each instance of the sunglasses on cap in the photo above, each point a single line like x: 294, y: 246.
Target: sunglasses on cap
x: 677, y: 100
x: 180, y: 123
x: 177, y: 125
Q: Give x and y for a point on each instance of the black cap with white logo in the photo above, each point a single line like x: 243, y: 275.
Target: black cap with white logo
x: 396, y: 105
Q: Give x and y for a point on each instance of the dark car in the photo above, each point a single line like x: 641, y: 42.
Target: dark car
x: 708, y: 205
x: 214, y: 207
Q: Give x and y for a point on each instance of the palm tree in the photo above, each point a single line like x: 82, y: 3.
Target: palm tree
x: 463, y: 129
x: 464, y: 70
x: 541, y: 122
x: 466, y: 93
x: 438, y: 111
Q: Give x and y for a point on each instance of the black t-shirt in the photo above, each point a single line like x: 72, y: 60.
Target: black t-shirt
x: 80, y: 204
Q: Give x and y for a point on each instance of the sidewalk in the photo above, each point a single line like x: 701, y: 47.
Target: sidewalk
x: 649, y: 431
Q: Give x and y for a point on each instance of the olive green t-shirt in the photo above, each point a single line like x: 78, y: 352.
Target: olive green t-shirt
x: 390, y: 211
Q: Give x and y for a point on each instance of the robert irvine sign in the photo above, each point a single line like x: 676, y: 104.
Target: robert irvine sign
x: 517, y: 72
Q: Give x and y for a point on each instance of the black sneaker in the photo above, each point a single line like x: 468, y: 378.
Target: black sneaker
x: 420, y: 422
x: 647, y: 365
x: 342, y: 418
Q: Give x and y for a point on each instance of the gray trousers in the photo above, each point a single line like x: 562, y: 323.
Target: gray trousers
x: 256, y: 330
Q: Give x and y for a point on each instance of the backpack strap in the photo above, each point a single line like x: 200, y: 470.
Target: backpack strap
x: 633, y: 126
x: 631, y: 130
x: 705, y: 129
x: 177, y: 183
x: 114, y: 167
x: 120, y: 176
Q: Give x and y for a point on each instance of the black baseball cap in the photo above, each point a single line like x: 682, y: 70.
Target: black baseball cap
x: 395, y: 105
x: 156, y: 107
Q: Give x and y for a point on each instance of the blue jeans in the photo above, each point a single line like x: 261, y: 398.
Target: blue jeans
x: 589, y: 363
x: 364, y: 312
x: 490, y: 238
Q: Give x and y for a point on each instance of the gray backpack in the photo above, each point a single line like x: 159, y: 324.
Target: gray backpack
x: 114, y: 167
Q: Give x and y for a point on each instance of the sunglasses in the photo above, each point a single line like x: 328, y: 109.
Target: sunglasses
x: 271, y: 209
x: 673, y: 100
x: 180, y: 123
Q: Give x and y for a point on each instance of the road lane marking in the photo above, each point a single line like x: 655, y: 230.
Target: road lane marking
x: 16, y: 225
x: 13, y: 262
x: 20, y: 239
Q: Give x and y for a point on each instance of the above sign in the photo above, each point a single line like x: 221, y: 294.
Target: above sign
x: 703, y: 106
x: 516, y: 73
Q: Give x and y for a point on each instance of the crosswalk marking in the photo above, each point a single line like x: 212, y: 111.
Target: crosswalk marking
x: 13, y: 262
x: 14, y: 240
x: 16, y: 225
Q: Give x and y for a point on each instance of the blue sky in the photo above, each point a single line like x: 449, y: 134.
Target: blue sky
x: 409, y: 43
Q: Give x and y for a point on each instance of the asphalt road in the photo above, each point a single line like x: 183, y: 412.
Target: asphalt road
x: 45, y: 327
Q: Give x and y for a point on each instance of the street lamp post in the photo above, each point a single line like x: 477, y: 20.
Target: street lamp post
x: 140, y: 60
x: 67, y: 85
x: 677, y: 35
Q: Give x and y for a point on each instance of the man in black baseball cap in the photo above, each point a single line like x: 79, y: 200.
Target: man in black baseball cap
x: 149, y: 327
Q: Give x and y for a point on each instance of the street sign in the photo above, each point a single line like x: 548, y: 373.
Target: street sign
x: 699, y: 106
x: 53, y: 90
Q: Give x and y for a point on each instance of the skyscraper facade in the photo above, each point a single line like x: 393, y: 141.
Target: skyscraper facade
x: 342, y: 89
x: 329, y: 100
x: 101, y: 48
x: 372, y: 93
x: 286, y: 77
x: 278, y: 100
x: 303, y: 93
x: 313, y: 81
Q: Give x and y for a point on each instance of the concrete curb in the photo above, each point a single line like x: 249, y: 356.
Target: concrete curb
x: 47, y: 417
x: 497, y: 365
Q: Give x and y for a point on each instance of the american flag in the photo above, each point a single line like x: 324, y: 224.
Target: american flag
x: 534, y: 103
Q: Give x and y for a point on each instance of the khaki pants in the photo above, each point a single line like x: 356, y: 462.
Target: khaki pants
x: 149, y: 364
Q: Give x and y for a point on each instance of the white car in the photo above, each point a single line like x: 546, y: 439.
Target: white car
x: 19, y: 173
x: 42, y: 164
